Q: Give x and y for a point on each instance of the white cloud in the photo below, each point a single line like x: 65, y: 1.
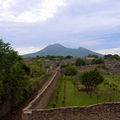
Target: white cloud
x: 41, y: 12
x: 6, y: 4
x: 109, y: 51
x: 26, y: 50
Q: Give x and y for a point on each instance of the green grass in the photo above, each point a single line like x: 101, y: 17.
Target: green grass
x: 73, y: 97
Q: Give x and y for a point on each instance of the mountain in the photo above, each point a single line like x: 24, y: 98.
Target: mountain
x: 59, y: 50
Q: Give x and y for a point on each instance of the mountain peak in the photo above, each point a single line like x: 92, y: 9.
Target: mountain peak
x: 56, y: 45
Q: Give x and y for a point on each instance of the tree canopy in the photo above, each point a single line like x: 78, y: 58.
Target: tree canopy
x: 13, y: 78
x: 91, y: 78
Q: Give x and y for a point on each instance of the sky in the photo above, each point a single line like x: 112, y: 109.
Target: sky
x: 32, y: 25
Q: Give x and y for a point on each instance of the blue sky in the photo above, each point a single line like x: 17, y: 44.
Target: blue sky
x: 31, y: 25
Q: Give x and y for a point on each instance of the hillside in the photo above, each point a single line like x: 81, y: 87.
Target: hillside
x: 59, y: 50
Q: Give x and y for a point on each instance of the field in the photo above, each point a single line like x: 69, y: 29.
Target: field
x: 66, y: 94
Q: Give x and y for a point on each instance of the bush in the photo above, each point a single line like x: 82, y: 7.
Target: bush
x: 68, y: 57
x: 97, y: 61
x: 91, y: 79
x: 109, y: 56
x: 95, y: 56
x: 70, y: 70
x: 80, y: 62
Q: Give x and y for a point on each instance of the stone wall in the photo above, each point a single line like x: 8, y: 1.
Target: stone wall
x: 113, y: 66
x: 107, y: 111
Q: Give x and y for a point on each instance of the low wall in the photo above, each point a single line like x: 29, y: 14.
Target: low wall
x: 107, y: 111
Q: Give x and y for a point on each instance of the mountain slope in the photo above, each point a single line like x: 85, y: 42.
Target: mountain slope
x: 59, y: 50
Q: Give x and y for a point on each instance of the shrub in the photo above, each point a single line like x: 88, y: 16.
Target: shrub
x: 68, y: 57
x: 109, y: 56
x: 70, y: 70
x: 91, y: 79
x: 95, y: 56
x: 80, y: 62
x: 97, y: 61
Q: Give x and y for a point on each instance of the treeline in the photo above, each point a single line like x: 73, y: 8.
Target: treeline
x: 16, y: 77
x: 52, y: 57
x: 109, y: 56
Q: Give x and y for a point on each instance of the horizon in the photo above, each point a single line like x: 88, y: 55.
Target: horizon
x: 30, y: 27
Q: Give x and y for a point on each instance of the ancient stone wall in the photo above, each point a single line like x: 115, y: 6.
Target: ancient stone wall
x: 113, y: 66
x: 107, y: 111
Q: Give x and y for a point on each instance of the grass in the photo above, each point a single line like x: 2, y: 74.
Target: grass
x: 73, y: 97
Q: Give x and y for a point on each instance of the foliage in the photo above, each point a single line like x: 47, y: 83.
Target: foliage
x: 74, y: 97
x: 64, y: 65
x: 68, y: 57
x: 91, y: 78
x: 70, y: 70
x: 110, y: 56
x: 80, y: 62
x: 97, y: 61
x: 95, y: 56
x: 50, y: 57
x: 37, y: 68
x: 13, y: 74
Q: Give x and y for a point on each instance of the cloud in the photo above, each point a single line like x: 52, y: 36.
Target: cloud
x: 6, y: 4
x: 26, y: 50
x: 109, y: 51
x: 40, y: 12
x: 93, y: 24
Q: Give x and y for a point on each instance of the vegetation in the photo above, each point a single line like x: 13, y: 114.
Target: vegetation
x: 80, y: 62
x: 68, y: 57
x: 110, y: 56
x: 16, y: 77
x: 70, y: 70
x: 91, y: 79
x: 73, y: 97
x: 97, y: 61
x: 94, y: 56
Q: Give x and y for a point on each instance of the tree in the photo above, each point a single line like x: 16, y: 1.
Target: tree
x: 91, y: 79
x: 80, y: 62
x: 95, y: 56
x: 70, y: 70
x: 110, y: 56
x: 13, y: 78
x: 97, y: 61
x: 68, y: 57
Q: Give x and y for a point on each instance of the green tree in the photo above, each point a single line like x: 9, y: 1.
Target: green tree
x: 110, y: 56
x: 91, y: 79
x: 80, y: 62
x: 68, y: 57
x: 13, y: 78
x: 97, y: 61
x: 70, y: 70
x: 95, y: 56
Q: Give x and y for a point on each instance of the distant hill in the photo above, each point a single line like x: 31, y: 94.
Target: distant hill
x: 59, y: 50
